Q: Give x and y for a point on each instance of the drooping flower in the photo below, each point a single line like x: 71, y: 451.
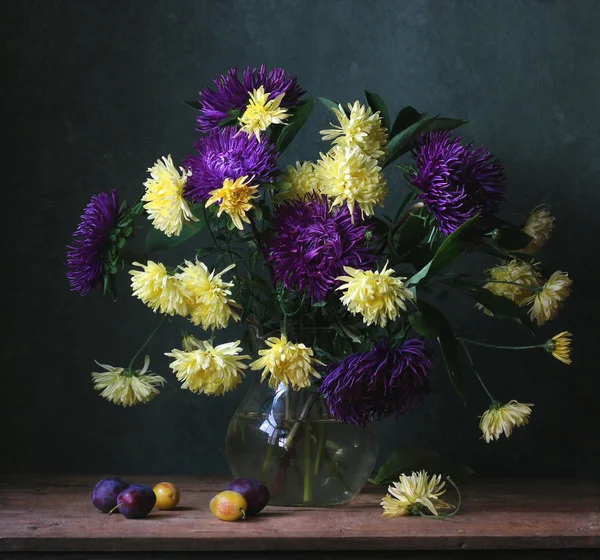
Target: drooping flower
x: 90, y: 241
x: 232, y: 95
x: 456, y: 182
x: 377, y: 296
x: 560, y: 347
x: 361, y: 129
x: 539, y: 227
x: 203, y: 368
x: 548, y: 300
x: 372, y: 385
x: 208, y: 295
x: 235, y: 199
x: 286, y: 362
x: 309, y: 246
x: 302, y: 181
x: 413, y: 494
x: 506, y: 280
x: 126, y: 387
x: 504, y: 418
x: 165, y: 203
x: 225, y: 154
x: 261, y: 112
x: 348, y: 176
x: 158, y: 289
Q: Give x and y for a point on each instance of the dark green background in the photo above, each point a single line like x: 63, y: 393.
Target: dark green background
x: 92, y: 94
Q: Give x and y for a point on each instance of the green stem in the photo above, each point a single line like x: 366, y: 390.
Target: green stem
x: 477, y: 373
x: 320, y: 448
x: 268, y: 458
x: 500, y: 346
x: 146, y: 342
x: 210, y: 228
x: 307, y: 464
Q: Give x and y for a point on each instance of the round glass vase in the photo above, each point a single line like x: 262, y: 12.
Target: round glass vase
x: 289, y: 441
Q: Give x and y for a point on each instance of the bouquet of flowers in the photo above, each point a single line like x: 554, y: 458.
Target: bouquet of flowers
x: 334, y: 296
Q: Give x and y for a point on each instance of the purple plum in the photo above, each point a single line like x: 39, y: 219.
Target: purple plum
x: 255, y: 493
x: 106, y: 491
x: 136, y: 501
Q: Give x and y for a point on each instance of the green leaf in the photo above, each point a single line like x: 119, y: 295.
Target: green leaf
x: 448, y: 251
x: 377, y: 104
x: 329, y: 103
x: 406, y: 117
x: 289, y: 132
x: 194, y: 105
x: 157, y: 241
x: 511, y: 238
x: 423, y: 325
x: 448, y: 344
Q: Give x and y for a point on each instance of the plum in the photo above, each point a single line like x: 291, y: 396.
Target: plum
x: 228, y: 506
x: 167, y: 495
x: 106, y: 491
x: 255, y: 493
x: 136, y: 501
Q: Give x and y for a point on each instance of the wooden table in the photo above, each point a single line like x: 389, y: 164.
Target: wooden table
x: 53, y: 514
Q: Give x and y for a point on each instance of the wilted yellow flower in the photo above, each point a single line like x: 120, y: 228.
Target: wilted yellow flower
x: 287, y: 363
x: 302, y: 180
x: 377, y: 296
x: 207, y: 369
x: 547, y: 301
x: 165, y: 204
x: 412, y: 494
x: 261, y: 112
x: 539, y: 227
x: 127, y: 387
x: 235, y: 199
x: 361, y: 129
x: 506, y: 280
x: 504, y: 418
x: 348, y: 176
x: 209, y: 302
x: 560, y: 347
x: 158, y: 289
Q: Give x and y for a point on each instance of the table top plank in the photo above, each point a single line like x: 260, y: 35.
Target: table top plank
x: 53, y: 513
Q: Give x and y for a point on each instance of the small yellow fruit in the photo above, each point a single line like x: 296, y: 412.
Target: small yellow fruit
x: 167, y: 495
x: 228, y: 506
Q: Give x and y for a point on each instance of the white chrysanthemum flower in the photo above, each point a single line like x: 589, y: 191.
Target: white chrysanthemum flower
x: 539, y: 226
x: 348, y: 176
x: 158, y: 289
x: 127, y: 387
x: 203, y: 368
x: 548, y: 300
x: 500, y: 419
x: 165, y: 203
x: 302, y: 180
x: 361, y: 129
x: 411, y: 494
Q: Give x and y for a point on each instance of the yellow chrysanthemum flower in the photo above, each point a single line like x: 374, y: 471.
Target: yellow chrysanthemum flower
x: 361, y: 129
x: 506, y: 281
x: 235, y: 199
x: 302, y: 181
x: 261, y: 112
x: 207, y: 369
x: 504, y: 418
x: 377, y: 296
x: 209, y: 302
x: 412, y: 494
x: 547, y: 301
x: 126, y: 387
x: 560, y: 347
x: 165, y: 204
x: 348, y: 176
x: 539, y: 227
x: 287, y: 363
x: 158, y: 289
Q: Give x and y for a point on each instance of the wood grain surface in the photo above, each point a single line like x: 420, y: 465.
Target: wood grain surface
x: 54, y: 514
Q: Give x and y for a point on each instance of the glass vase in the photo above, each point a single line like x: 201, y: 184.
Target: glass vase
x: 289, y: 441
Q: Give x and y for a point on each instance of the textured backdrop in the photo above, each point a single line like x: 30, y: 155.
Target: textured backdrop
x: 92, y: 94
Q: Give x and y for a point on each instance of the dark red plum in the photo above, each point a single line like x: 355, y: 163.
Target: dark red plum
x: 136, y: 501
x: 255, y: 493
x: 106, y: 491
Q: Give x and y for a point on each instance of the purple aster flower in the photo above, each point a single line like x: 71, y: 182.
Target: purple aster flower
x: 372, y: 385
x: 225, y: 154
x: 84, y: 255
x: 456, y: 182
x: 231, y: 94
x: 310, y: 245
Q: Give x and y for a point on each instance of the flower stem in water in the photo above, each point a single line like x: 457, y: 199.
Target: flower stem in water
x: 307, y: 464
